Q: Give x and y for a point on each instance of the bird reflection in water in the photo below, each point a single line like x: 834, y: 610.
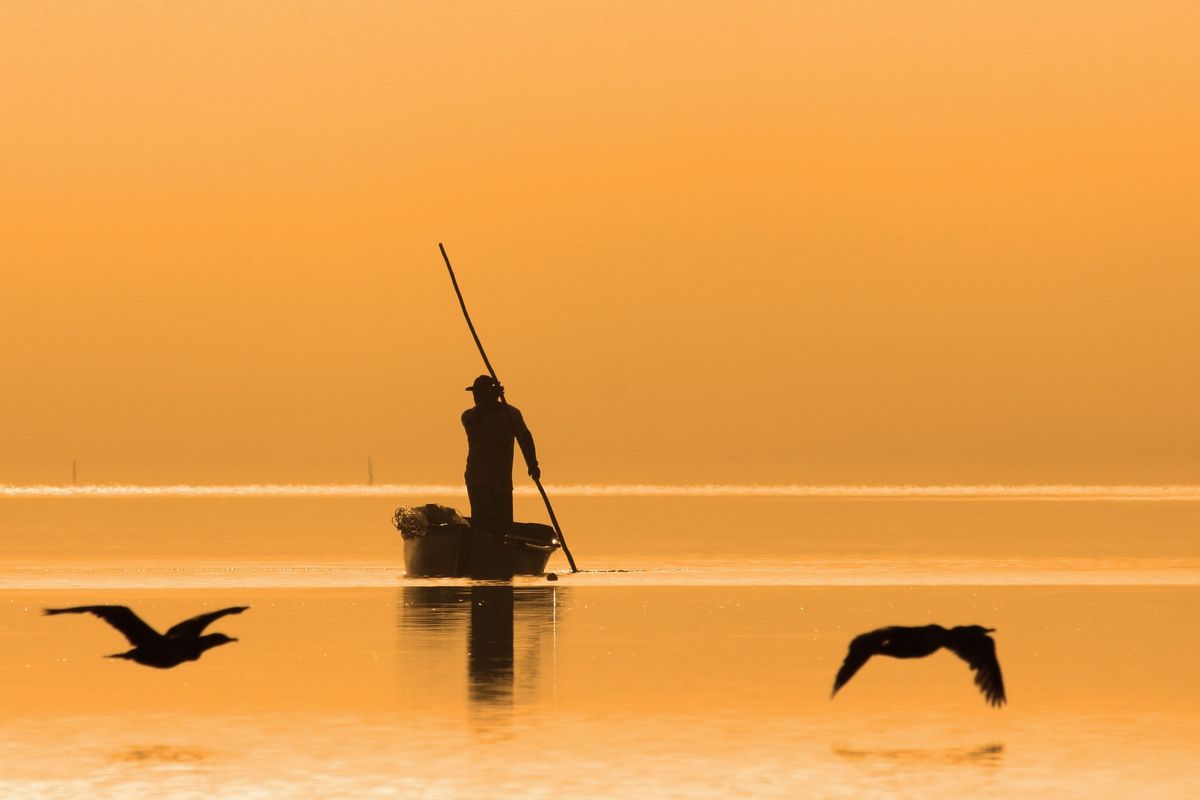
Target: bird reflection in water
x: 988, y: 755
x: 162, y: 753
x: 504, y: 629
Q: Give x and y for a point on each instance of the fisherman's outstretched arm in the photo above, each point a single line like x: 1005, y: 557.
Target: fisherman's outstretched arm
x: 525, y: 440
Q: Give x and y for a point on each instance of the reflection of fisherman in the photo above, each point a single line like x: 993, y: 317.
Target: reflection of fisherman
x: 491, y: 427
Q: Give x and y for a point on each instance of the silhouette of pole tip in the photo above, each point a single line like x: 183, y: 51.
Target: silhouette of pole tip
x: 183, y: 642
x: 971, y: 643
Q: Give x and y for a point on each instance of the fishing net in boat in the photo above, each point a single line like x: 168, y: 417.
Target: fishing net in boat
x: 417, y: 520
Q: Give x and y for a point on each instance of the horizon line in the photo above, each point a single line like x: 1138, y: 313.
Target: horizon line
x: 1178, y: 492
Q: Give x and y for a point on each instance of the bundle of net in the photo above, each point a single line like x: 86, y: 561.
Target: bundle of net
x: 417, y: 520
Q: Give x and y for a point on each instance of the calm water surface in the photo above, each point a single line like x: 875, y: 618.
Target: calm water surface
x: 694, y: 661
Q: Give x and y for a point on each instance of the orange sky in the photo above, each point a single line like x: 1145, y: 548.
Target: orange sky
x: 772, y: 242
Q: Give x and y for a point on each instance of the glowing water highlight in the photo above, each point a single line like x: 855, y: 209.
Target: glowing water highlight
x: 1181, y: 492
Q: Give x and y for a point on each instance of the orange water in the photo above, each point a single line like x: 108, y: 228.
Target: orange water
x: 703, y: 672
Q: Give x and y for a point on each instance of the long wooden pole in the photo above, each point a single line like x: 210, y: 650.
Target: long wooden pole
x: 508, y: 413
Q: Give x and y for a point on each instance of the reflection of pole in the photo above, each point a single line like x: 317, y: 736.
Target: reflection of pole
x: 549, y: 510
x: 74, y: 475
x: 554, y: 642
x: 370, y: 473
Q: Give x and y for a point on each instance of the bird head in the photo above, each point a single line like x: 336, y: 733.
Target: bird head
x: 975, y: 630
x: 212, y: 640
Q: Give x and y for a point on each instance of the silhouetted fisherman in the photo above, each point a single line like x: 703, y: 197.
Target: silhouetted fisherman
x: 971, y: 643
x: 182, y: 642
x: 491, y: 427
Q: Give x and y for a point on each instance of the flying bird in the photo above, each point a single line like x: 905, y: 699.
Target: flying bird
x: 183, y: 642
x: 971, y: 643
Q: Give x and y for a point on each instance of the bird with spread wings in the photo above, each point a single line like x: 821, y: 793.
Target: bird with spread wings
x: 183, y: 642
x: 971, y: 643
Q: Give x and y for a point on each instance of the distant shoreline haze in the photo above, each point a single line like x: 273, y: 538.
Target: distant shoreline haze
x: 1177, y: 492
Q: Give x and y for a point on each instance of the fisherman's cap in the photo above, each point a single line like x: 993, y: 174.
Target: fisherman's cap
x: 481, y: 384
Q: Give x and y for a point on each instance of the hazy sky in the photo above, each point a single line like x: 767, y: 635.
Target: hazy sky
x: 813, y: 242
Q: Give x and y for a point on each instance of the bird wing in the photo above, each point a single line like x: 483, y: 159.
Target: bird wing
x: 196, y: 625
x: 861, y: 649
x: 980, y: 653
x: 120, y: 617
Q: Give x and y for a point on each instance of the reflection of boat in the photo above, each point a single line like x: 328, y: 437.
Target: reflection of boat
x: 440, y: 543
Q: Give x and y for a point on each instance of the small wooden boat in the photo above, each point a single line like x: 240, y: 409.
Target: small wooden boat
x: 441, y: 543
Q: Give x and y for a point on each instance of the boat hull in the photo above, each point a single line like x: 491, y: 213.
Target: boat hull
x: 455, y: 549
